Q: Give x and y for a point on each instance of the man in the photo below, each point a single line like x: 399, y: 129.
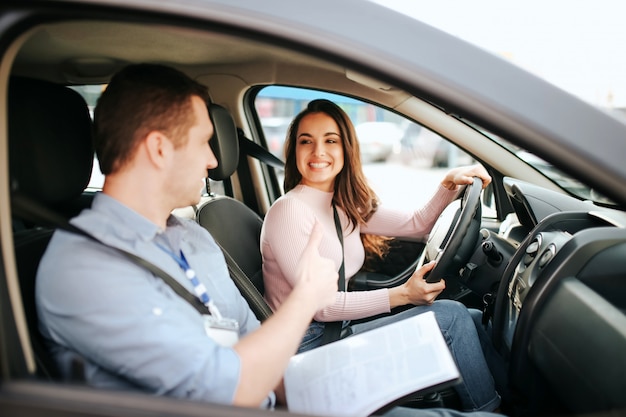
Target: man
x: 152, y: 132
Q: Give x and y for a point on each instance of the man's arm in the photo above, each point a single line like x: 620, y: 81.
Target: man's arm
x: 265, y: 353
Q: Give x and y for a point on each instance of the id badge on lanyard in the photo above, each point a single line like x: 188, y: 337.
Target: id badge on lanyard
x: 223, y: 331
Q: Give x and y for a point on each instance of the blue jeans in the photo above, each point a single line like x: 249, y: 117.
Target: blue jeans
x: 495, y: 361
x: 476, y: 390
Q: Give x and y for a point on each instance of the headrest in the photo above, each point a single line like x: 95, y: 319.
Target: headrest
x: 50, y: 146
x: 225, y: 143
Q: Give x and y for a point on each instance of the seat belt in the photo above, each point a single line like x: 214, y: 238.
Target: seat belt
x: 30, y: 210
x: 256, y: 151
x: 332, y: 330
x: 248, y: 290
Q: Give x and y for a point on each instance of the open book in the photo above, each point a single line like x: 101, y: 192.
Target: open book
x: 363, y: 373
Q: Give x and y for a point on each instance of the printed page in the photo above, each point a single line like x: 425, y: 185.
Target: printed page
x: 362, y: 373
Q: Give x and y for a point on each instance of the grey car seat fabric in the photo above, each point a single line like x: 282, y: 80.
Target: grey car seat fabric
x: 234, y: 226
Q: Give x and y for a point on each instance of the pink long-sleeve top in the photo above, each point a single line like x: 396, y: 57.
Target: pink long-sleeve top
x: 286, y: 230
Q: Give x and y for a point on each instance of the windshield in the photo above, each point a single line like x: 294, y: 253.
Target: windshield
x: 563, y: 180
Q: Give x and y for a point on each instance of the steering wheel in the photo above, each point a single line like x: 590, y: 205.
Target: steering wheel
x: 454, y: 235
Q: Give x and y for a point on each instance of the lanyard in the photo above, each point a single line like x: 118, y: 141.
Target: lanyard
x: 198, y: 287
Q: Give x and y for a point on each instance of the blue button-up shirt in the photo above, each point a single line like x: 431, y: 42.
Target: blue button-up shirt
x: 132, y: 329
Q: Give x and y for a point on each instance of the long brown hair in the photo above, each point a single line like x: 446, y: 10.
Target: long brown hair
x: 351, y: 190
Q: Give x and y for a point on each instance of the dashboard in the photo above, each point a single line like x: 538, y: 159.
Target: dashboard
x: 560, y: 310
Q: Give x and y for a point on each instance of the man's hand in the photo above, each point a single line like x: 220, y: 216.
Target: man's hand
x: 317, y: 274
x: 265, y: 352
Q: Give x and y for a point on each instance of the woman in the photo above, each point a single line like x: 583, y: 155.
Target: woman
x: 323, y: 170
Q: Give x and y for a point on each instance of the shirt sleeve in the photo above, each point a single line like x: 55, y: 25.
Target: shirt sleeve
x: 416, y: 224
x: 286, y: 230
x: 284, y: 235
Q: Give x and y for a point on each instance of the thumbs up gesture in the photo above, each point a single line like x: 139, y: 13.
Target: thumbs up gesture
x: 317, y: 274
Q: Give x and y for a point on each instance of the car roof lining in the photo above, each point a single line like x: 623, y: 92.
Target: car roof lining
x: 92, y: 50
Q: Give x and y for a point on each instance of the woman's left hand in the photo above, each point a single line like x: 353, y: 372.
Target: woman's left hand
x: 465, y: 175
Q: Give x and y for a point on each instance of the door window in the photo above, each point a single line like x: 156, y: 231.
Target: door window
x: 403, y: 161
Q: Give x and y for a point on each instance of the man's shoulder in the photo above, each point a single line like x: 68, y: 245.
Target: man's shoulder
x: 192, y: 227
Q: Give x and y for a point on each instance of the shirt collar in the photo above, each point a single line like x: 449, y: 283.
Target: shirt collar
x: 132, y: 224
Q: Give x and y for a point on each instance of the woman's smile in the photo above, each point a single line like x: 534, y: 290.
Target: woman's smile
x: 319, y: 165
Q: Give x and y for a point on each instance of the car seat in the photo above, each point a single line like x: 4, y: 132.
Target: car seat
x: 234, y: 226
x: 50, y: 161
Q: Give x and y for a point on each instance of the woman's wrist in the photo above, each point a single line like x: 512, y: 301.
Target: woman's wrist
x: 398, y: 296
x: 449, y: 185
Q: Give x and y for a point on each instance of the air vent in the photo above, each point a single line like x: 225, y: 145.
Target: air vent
x: 547, y: 256
x: 532, y: 249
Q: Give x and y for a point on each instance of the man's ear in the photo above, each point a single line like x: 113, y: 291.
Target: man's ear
x: 158, y: 148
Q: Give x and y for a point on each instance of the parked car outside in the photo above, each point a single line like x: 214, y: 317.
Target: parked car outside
x: 448, y: 155
x: 378, y: 140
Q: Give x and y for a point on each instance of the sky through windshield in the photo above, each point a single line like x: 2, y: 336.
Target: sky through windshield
x: 577, y: 45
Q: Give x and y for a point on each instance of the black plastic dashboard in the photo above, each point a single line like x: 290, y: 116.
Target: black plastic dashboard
x: 560, y: 315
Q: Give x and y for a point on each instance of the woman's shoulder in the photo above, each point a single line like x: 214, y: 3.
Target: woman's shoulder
x: 299, y: 195
x: 289, y: 202
x: 286, y: 214
x: 295, y: 205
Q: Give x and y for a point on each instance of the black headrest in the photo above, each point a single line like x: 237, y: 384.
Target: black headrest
x: 225, y: 143
x: 50, y: 147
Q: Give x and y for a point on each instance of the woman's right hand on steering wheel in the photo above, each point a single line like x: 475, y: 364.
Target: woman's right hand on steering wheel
x: 416, y: 290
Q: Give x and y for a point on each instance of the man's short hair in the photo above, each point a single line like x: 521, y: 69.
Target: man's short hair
x: 142, y: 98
